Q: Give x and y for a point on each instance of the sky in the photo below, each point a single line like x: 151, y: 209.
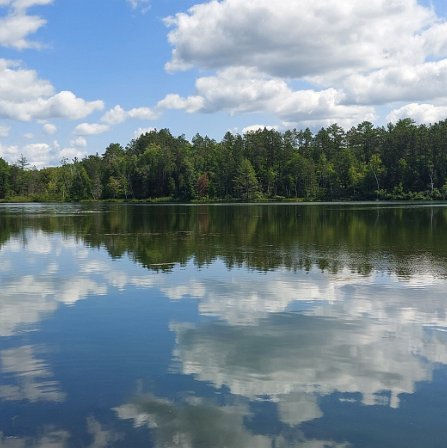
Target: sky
x: 77, y: 75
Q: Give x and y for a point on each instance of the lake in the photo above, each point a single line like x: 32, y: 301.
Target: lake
x: 257, y: 326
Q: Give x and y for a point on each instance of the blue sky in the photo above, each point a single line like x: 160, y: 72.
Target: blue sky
x: 76, y: 75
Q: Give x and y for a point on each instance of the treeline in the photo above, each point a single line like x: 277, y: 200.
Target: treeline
x: 400, y: 161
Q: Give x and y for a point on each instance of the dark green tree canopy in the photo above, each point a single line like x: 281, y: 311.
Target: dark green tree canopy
x: 400, y: 161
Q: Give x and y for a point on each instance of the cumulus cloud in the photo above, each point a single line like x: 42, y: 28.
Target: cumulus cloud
x: 425, y: 81
x: 114, y: 116
x: 90, y: 129
x: 296, y: 39
x: 25, y: 97
x: 353, y: 56
x: 142, y: 113
x: 66, y: 105
x: 70, y: 153
x: 41, y: 154
x: 20, y: 84
x: 17, y: 25
x: 241, y: 90
x: 118, y: 115
x: 79, y: 142
x: 37, y: 154
x: 435, y: 39
x: 422, y: 113
x: 9, y: 152
x: 176, y: 102
x: 49, y: 128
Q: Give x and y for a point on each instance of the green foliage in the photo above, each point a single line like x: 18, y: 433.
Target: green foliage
x: 245, y: 181
x: 4, y: 178
x: 401, y: 161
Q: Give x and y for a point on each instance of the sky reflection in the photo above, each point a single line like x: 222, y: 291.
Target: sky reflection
x: 102, y: 351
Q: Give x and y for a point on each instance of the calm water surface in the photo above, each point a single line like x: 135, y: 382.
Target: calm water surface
x: 223, y: 326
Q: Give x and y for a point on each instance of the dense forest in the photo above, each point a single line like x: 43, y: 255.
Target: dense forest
x: 399, y: 161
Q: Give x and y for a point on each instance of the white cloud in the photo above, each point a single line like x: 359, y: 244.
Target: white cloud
x: 174, y: 101
x: 21, y: 5
x: 296, y: 39
x: 66, y: 105
x: 258, y: 127
x: 25, y: 97
x: 141, y: 131
x: 37, y: 154
x: 42, y: 154
x: 419, y: 82
x: 142, y: 113
x: 49, y: 128
x: 20, y: 84
x: 90, y: 129
x: 10, y: 152
x: 240, y: 90
x: 435, y: 39
x: 114, y: 116
x: 4, y: 131
x: 17, y: 25
x: 118, y: 115
x: 421, y: 113
x: 15, y: 29
x: 141, y: 5
x: 79, y: 142
x: 235, y: 90
x: 70, y: 154
x: 352, y: 56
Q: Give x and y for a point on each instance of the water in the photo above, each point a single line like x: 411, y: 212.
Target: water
x: 223, y: 326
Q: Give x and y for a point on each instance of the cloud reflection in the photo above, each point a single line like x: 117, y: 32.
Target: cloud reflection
x: 294, y: 355
x: 53, y: 270
x: 288, y: 336
x: 195, y: 423
x: 32, y: 377
x: 52, y: 438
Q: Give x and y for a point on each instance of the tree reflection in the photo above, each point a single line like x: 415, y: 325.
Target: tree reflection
x: 362, y: 238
